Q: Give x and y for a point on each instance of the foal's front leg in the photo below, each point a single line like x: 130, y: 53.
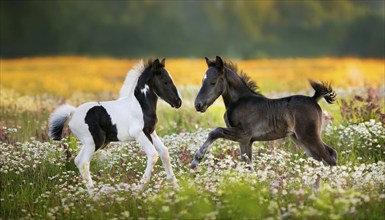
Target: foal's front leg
x: 165, y: 157
x: 152, y: 157
x: 232, y: 133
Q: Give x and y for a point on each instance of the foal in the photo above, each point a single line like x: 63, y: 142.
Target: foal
x: 252, y: 117
x: 96, y: 124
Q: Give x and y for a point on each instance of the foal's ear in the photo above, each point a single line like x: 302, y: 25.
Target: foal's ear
x: 156, y: 65
x: 209, y: 62
x: 163, y: 62
x: 219, y: 62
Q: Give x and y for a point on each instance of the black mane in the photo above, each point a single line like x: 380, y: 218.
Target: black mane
x: 251, y: 84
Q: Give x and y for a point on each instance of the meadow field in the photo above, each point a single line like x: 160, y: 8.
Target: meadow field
x: 39, y: 180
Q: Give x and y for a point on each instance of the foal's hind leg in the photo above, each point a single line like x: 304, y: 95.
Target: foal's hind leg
x: 312, y: 154
x: 322, y: 150
x: 315, y: 148
x: 332, y: 154
x: 233, y: 134
x: 83, y: 160
x: 246, y: 154
x: 164, y: 156
x: 309, y: 152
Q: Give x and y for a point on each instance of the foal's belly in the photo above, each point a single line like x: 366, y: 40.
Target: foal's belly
x: 124, y: 135
x: 269, y: 136
x: 125, y: 138
x: 127, y: 116
x: 270, y: 133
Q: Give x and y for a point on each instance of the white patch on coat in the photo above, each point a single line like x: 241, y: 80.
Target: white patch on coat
x: 145, y: 89
x: 129, y: 123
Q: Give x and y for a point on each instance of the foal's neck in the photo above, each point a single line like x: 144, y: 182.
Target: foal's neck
x: 145, y: 94
x: 235, y: 88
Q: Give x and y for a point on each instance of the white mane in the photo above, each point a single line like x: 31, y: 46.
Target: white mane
x: 131, y: 80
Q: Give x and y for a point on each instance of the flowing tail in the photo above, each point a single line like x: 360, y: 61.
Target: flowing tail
x: 323, y: 90
x: 57, y: 120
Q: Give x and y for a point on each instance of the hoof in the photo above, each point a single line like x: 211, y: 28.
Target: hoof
x: 316, y: 184
x: 91, y: 192
x: 175, y: 186
x: 194, y: 165
x: 90, y: 189
x: 173, y: 182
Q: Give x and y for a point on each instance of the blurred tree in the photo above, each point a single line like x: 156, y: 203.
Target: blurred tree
x: 364, y: 40
x: 242, y: 29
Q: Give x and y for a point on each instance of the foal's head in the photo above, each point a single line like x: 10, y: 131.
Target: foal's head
x: 212, y: 84
x: 163, y: 85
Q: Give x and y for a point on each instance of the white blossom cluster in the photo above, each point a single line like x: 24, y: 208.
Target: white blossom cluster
x: 283, y: 184
x: 363, y: 140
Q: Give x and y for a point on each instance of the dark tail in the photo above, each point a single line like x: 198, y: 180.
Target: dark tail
x: 323, y: 90
x: 57, y: 120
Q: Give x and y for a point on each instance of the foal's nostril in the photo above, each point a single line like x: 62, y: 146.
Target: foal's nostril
x: 198, y: 106
x: 179, y: 103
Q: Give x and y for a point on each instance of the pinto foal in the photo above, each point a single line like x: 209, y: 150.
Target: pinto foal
x: 133, y: 115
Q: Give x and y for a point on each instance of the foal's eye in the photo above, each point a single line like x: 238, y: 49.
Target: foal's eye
x: 213, y: 83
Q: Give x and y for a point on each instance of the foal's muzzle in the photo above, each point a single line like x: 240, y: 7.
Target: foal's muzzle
x: 200, y: 107
x: 177, y: 103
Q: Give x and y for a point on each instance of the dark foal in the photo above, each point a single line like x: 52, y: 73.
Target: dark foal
x: 252, y: 117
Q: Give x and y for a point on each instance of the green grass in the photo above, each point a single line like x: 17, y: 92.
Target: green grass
x: 40, y: 181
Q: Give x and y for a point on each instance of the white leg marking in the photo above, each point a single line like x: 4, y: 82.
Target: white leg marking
x: 82, y: 162
x: 152, y: 157
x: 164, y: 156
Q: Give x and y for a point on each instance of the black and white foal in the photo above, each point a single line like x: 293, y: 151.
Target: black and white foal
x: 133, y: 115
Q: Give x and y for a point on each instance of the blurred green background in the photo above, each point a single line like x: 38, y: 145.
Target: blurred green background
x: 237, y: 29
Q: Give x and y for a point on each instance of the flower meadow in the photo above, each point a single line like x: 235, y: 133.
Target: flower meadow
x: 39, y: 180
